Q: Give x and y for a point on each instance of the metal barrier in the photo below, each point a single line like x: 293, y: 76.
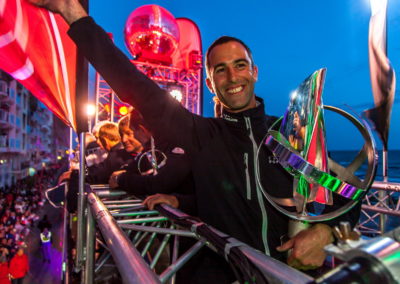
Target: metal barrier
x: 376, y: 204
x: 130, y: 264
x: 130, y: 232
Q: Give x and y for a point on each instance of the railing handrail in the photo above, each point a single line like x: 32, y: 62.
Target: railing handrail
x: 130, y: 264
x: 386, y: 186
x: 273, y: 270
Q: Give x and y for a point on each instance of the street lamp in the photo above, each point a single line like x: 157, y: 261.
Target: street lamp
x: 90, y: 111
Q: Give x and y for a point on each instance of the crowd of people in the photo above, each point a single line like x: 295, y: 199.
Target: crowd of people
x: 20, y: 206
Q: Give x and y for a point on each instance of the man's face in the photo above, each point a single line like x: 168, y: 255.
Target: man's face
x: 131, y: 144
x: 232, y: 76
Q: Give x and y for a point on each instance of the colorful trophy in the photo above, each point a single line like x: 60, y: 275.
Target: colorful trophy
x: 298, y: 142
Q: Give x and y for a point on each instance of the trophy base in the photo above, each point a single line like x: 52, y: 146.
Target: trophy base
x: 295, y: 226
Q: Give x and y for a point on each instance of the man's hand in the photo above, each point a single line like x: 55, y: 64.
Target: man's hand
x: 159, y: 198
x: 113, y: 181
x: 70, y: 10
x: 308, y: 247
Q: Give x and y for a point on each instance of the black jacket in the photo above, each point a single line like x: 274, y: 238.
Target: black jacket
x: 221, y: 150
x: 100, y: 173
x: 174, y: 177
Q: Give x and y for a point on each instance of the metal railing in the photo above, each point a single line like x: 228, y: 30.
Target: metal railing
x: 130, y: 264
x: 376, y: 204
x: 129, y: 234
x: 129, y: 231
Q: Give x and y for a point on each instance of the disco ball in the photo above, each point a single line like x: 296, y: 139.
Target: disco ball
x: 151, y: 34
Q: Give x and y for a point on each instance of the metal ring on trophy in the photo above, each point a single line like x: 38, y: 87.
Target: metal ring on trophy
x: 345, y: 183
x: 152, y: 159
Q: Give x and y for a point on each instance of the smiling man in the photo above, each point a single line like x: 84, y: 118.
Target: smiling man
x: 131, y: 143
x: 231, y: 74
x: 222, y: 151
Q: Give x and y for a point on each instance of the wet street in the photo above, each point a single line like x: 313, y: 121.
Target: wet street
x: 43, y: 272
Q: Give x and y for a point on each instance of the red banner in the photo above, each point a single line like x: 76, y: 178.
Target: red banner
x: 36, y: 51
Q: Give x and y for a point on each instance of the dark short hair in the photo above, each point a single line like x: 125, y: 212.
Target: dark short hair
x: 123, y: 123
x: 222, y: 40
x: 132, y: 120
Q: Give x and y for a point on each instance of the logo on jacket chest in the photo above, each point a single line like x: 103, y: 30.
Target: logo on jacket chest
x: 229, y: 118
x: 272, y: 159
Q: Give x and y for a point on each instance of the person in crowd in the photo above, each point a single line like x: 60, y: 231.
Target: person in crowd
x: 94, y: 151
x: 94, y: 154
x: 26, y: 195
x: 19, y: 267
x: 222, y: 151
x: 173, y: 170
x: 45, y: 239
x: 110, y: 140
x: 11, y: 247
x: 4, y: 269
x: 11, y: 219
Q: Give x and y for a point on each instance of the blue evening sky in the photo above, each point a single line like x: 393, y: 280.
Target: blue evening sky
x: 290, y: 39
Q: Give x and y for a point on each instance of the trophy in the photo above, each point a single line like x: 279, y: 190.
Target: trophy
x: 298, y: 142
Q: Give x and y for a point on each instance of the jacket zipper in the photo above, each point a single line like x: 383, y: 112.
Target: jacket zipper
x: 246, y: 166
x: 258, y: 189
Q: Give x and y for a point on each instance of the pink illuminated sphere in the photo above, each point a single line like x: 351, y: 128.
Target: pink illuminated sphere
x: 151, y: 34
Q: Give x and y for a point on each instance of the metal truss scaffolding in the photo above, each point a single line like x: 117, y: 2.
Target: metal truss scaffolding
x: 144, y: 246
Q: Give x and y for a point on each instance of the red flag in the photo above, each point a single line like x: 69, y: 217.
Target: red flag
x: 189, y: 57
x: 383, y: 79
x: 36, y: 51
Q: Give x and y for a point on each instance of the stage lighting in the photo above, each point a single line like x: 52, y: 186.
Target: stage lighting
x: 177, y: 94
x: 123, y: 110
x: 90, y: 110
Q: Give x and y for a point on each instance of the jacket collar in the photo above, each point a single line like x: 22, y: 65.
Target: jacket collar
x: 255, y: 113
x: 117, y: 147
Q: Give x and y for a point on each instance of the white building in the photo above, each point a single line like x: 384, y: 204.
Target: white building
x: 26, y: 131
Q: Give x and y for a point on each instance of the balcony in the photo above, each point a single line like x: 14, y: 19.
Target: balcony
x: 3, y: 89
x: 4, y: 120
x: 3, y: 115
x: 45, y: 129
x: 4, y: 96
x: 10, y: 145
x: 3, y: 141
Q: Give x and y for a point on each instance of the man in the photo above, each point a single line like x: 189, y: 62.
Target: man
x: 45, y: 238
x: 110, y: 140
x: 222, y: 151
x: 4, y: 269
x: 19, y: 267
x: 94, y: 154
x: 98, y: 173
x: 172, y: 176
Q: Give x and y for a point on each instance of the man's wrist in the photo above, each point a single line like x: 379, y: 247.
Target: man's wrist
x: 73, y: 12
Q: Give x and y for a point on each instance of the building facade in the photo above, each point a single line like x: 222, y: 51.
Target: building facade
x: 26, y: 132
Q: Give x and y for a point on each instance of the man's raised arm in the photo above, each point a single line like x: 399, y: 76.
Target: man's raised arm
x: 70, y: 10
x: 165, y: 117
